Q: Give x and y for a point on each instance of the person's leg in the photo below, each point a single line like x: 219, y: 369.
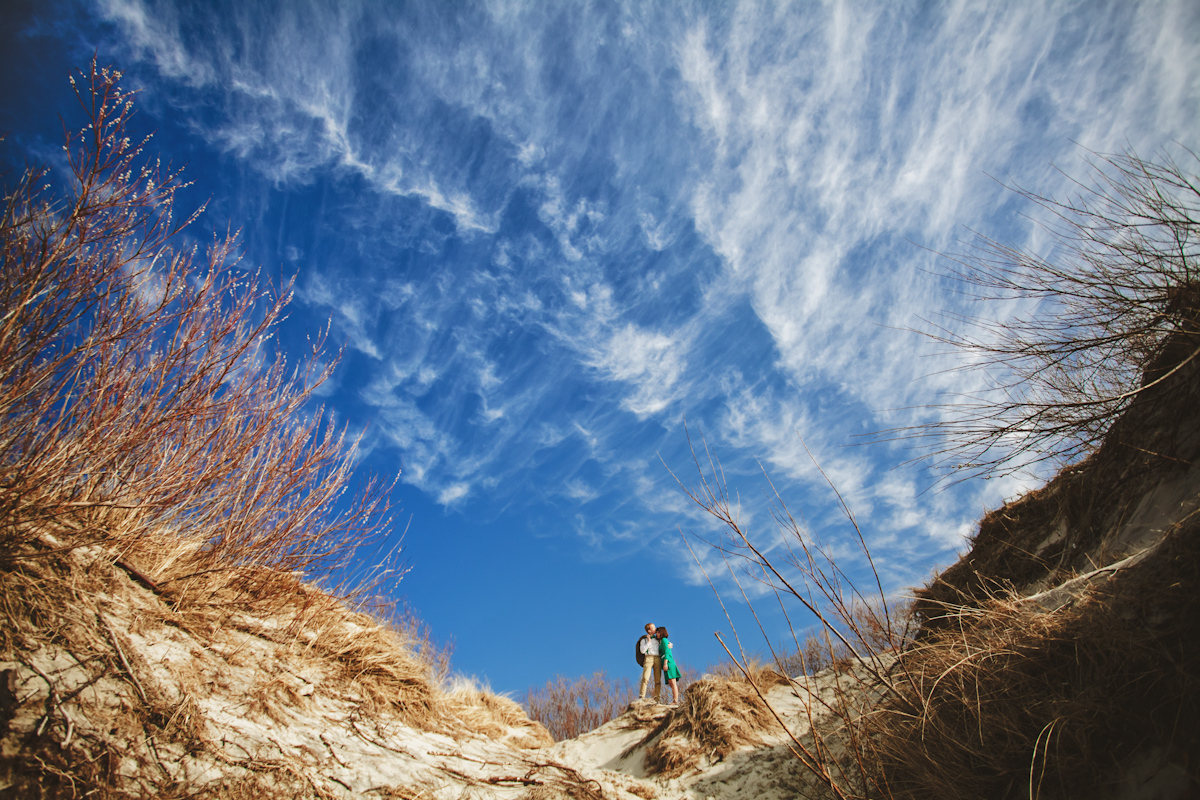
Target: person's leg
x: 647, y: 672
x: 657, y: 678
x: 673, y: 685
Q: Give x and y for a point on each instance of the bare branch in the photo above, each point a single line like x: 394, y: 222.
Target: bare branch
x: 1117, y: 316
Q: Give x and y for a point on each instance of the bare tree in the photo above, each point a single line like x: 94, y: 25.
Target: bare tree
x: 570, y: 707
x: 139, y: 396
x: 1116, y: 317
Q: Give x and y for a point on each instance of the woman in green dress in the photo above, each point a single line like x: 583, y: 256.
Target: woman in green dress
x: 670, y: 671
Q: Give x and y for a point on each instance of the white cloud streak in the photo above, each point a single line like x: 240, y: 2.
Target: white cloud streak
x: 663, y: 214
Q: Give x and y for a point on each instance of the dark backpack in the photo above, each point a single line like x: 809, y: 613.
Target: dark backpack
x: 637, y: 651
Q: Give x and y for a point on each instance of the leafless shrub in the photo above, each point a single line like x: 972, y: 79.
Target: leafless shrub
x: 145, y: 422
x: 138, y: 393
x: 156, y: 458
x: 1117, y: 312
x: 858, y: 632
x: 569, y: 707
x: 818, y: 650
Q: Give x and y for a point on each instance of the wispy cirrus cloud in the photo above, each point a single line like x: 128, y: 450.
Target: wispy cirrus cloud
x: 554, y: 233
x: 842, y: 133
x: 647, y: 360
x: 300, y: 96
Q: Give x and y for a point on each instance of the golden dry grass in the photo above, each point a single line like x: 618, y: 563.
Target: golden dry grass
x: 123, y: 701
x: 715, y: 717
x: 482, y: 711
x: 1051, y: 702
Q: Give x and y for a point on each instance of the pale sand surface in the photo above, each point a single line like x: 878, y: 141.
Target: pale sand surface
x: 258, y: 700
x: 767, y: 770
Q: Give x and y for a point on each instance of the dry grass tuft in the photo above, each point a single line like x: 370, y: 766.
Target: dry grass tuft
x: 57, y: 615
x: 715, y: 717
x: 482, y: 711
x: 766, y: 676
x: 107, y: 702
x: 644, y: 791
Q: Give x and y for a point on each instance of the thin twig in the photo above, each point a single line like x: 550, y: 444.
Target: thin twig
x: 814, y: 764
x: 112, y: 635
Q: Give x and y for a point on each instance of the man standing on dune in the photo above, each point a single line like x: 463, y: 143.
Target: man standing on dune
x: 651, y: 663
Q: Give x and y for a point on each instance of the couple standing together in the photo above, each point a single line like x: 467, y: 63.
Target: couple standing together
x: 654, y: 650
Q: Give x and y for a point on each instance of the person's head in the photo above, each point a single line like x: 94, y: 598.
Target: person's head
x: 650, y: 629
x: 661, y: 633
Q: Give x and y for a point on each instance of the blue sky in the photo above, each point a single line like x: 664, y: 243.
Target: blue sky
x: 548, y: 234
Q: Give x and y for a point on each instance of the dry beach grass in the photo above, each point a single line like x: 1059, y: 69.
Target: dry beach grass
x: 715, y: 717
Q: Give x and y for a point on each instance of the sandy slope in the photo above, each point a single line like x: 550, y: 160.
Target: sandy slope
x: 105, y: 684
x: 614, y: 754
x: 117, y: 690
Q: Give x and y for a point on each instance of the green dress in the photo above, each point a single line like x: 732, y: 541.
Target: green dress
x: 669, y: 668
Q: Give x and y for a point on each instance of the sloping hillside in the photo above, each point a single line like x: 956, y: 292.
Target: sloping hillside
x: 109, y: 690
x: 1064, y: 641
x: 109, y: 684
x: 1058, y: 658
